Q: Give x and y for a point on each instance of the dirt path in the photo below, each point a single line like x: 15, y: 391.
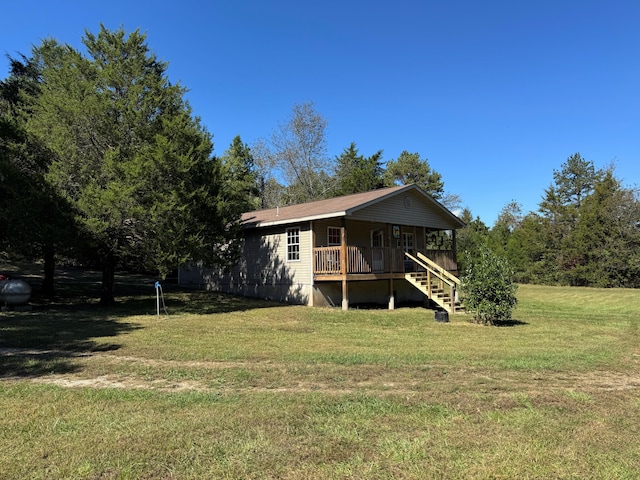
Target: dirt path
x: 334, y: 379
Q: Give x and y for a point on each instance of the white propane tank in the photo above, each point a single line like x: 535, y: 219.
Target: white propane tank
x: 14, y: 292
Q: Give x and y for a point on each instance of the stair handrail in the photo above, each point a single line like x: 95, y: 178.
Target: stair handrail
x: 429, y: 264
x: 442, y: 271
x: 443, y: 276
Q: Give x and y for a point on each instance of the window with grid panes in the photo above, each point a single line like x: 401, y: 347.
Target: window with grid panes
x: 293, y: 244
x: 334, y: 236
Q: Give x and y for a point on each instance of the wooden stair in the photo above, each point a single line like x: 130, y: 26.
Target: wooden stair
x: 439, y: 295
x: 436, y: 283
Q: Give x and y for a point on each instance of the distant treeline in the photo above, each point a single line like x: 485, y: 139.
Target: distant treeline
x: 586, y: 231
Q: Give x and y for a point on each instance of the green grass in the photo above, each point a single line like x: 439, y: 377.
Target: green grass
x: 225, y: 387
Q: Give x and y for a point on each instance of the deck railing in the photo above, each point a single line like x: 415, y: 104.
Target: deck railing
x: 445, y: 258
x: 328, y: 260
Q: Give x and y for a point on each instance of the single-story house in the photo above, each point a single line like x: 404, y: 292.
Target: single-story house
x: 385, y: 246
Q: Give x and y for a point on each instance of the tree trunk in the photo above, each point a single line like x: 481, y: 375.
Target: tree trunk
x: 107, y: 296
x: 48, y: 287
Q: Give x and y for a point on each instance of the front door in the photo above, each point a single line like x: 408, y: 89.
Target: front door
x: 407, y: 246
x: 377, y: 250
x: 407, y: 242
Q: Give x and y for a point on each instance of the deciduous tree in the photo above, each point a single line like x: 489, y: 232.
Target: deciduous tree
x: 299, y: 154
x: 270, y: 190
x: 507, y: 222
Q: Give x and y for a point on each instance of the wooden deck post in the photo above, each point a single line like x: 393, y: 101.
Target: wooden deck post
x: 390, y: 265
x: 310, y: 302
x: 454, y: 245
x: 343, y: 267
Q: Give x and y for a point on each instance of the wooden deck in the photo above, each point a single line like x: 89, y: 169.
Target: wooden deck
x: 370, y: 263
x: 348, y: 263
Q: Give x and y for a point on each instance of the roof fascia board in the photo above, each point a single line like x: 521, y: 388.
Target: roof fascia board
x: 350, y: 211
x: 274, y: 223
x: 379, y: 199
x: 406, y: 188
x: 444, y: 209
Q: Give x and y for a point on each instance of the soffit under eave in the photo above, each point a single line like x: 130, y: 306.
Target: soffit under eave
x: 292, y: 221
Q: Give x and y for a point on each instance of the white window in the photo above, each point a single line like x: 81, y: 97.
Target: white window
x: 334, y: 236
x: 293, y: 244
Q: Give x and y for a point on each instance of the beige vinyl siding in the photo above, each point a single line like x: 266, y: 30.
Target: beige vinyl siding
x: 192, y: 275
x: 299, y: 270
x: 321, y: 228
x: 266, y: 265
x: 263, y: 270
x: 417, y: 212
x: 359, y: 233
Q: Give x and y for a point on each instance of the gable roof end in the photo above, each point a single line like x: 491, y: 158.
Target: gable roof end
x: 333, y: 207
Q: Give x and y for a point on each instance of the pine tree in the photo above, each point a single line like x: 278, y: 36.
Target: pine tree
x: 130, y: 156
x: 560, y: 208
x: 411, y: 168
x: 36, y: 221
x: 240, y: 179
x: 356, y: 173
x: 606, y: 238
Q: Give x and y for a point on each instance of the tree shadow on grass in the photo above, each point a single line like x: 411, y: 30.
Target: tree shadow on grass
x: 137, y: 295
x: 203, y: 302
x: 56, y: 331
x: 48, y: 340
x: 59, y: 330
x: 509, y: 323
x: 17, y: 362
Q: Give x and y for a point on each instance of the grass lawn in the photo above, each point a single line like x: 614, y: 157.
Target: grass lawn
x: 225, y: 387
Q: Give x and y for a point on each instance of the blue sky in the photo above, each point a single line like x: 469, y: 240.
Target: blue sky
x: 495, y: 94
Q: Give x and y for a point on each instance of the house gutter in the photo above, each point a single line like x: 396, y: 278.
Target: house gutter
x: 274, y: 223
